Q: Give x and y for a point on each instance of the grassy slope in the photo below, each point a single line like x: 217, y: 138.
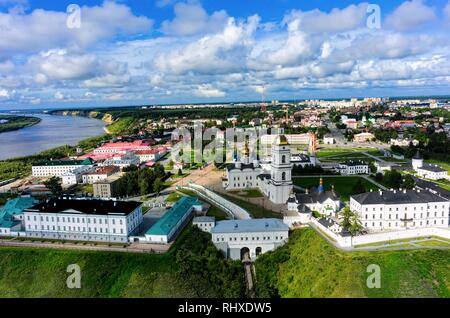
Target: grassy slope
x: 26, y: 272
x: 17, y: 122
x: 310, y: 267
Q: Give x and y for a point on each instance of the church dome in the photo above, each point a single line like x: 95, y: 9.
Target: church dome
x: 281, y: 140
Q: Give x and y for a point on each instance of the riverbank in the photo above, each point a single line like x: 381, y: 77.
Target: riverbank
x: 13, y: 123
x: 21, y: 167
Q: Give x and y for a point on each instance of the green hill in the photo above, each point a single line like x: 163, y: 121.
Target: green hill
x: 308, y: 266
x: 192, y: 268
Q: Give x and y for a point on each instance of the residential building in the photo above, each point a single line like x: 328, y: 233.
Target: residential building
x: 246, y: 239
x: 99, y: 174
x: 328, y: 139
x: 363, y: 137
x: 107, y: 188
x: 83, y: 219
x: 400, y: 209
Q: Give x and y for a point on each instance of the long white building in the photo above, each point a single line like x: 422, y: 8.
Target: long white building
x: 57, y: 168
x: 239, y: 239
x: 397, y: 210
x: 353, y: 168
x: 83, y: 219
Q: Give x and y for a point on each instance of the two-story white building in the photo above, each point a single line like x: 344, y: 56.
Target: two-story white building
x: 99, y: 174
x: 353, y: 167
x: 83, y: 219
x: 428, y: 171
x: 400, y: 209
x: 246, y: 239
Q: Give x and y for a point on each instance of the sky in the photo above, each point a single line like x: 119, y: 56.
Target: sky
x: 141, y: 52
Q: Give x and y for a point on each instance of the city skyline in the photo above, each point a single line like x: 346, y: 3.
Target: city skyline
x: 170, y: 52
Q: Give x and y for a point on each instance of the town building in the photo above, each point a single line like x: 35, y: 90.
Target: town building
x: 99, y: 174
x: 428, y: 171
x: 173, y: 221
x: 107, y: 188
x: 363, y: 137
x: 243, y: 239
x: 83, y: 219
x: 122, y: 161
x: 328, y: 139
x: 353, y: 167
x: 400, y: 209
x: 11, y: 215
x: 204, y: 223
x: 57, y: 168
x: 325, y: 202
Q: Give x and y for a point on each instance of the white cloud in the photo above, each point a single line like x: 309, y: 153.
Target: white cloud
x: 59, y: 96
x: 41, y: 29
x: 410, y: 15
x: 208, y: 91
x: 337, y: 20
x: 191, y: 18
x: 222, y: 52
x: 4, y: 93
x: 108, y: 80
x: 447, y: 11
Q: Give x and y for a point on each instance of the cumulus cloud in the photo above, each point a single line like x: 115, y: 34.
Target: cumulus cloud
x: 222, y: 52
x: 208, y: 91
x: 191, y: 18
x: 41, y: 29
x: 410, y: 15
x: 337, y: 20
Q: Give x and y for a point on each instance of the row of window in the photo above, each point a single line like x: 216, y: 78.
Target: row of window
x: 406, y: 208
x: 367, y: 216
x: 254, y: 238
x: 71, y: 229
x: 75, y: 220
x: 421, y: 223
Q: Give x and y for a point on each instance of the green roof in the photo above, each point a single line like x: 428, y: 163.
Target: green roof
x: 168, y: 221
x: 14, y: 207
x: 85, y: 162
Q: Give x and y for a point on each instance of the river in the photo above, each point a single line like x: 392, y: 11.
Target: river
x: 52, y: 131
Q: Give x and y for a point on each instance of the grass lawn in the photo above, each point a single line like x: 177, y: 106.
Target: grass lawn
x: 342, y: 185
x: 333, y: 156
x: 444, y: 165
x: 28, y: 272
x: 255, y: 211
x: 308, y: 266
x: 252, y: 193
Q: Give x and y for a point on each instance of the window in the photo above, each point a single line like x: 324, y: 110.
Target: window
x: 283, y: 176
x: 283, y: 159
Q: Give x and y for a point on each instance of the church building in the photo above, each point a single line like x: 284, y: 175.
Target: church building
x: 276, y: 184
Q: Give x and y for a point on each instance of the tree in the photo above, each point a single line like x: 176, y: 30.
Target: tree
x: 408, y: 182
x: 180, y: 172
x: 358, y: 187
x: 157, y: 185
x: 53, y: 184
x: 355, y: 227
x: 392, y: 179
x: 346, y: 218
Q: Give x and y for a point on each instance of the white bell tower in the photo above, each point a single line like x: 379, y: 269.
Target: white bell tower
x: 281, y: 171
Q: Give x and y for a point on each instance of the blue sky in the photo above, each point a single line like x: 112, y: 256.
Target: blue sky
x: 168, y: 51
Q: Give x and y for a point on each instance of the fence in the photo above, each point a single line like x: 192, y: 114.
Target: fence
x: 232, y: 209
x: 347, y: 241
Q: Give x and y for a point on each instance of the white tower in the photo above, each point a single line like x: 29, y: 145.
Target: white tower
x: 281, y: 171
x: 417, y: 161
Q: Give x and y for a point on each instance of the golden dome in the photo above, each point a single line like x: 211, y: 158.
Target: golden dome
x: 281, y: 140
